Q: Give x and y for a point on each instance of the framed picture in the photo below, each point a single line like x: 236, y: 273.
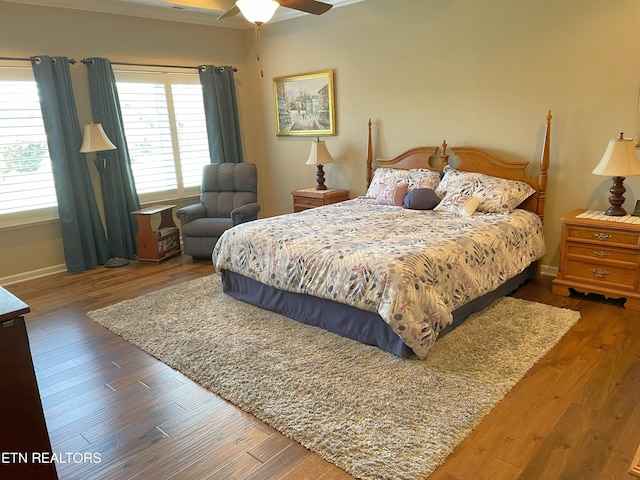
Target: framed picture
x: 304, y: 104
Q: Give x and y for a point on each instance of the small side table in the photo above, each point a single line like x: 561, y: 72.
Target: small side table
x: 307, y: 198
x: 600, y: 255
x: 159, y: 244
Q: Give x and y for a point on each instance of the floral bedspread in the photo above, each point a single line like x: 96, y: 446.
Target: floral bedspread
x: 413, y: 267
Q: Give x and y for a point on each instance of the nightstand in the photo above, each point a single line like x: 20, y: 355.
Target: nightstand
x: 306, y: 198
x: 163, y: 242
x: 600, y: 255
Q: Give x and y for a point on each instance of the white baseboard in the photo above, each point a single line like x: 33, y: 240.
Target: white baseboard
x: 42, y: 272
x: 548, y: 270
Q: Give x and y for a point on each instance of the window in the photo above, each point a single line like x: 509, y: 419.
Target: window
x: 164, y: 124
x: 27, y: 190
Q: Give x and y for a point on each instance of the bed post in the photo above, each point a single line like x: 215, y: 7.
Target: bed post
x: 544, y: 168
x: 369, y: 157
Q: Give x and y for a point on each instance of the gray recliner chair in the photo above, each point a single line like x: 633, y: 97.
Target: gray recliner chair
x: 228, y: 196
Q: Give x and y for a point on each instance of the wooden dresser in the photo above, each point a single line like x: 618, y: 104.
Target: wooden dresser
x: 600, y: 256
x: 306, y: 198
x: 24, y: 440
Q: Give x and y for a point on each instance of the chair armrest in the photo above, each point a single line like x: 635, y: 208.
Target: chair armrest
x: 244, y: 213
x: 191, y: 212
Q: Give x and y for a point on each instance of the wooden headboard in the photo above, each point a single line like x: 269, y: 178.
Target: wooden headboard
x: 473, y: 159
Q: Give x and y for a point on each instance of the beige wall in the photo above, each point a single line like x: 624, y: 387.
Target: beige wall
x: 473, y: 73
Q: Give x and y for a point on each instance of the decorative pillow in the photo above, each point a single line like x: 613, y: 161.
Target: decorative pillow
x: 453, y: 179
x: 460, y: 203
x: 421, y: 199
x: 388, y: 176
x: 497, y: 195
x: 392, y: 194
x: 423, y: 178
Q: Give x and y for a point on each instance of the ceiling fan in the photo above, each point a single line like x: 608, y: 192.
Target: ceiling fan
x: 261, y: 11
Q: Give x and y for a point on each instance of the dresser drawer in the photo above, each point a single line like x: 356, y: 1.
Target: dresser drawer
x: 601, y: 252
x: 603, y: 235
x: 606, y: 274
x: 303, y: 202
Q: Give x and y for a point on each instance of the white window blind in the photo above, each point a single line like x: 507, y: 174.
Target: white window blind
x: 27, y: 190
x: 164, y: 123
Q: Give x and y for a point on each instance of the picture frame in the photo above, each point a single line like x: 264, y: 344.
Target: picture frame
x: 636, y: 210
x: 305, y: 104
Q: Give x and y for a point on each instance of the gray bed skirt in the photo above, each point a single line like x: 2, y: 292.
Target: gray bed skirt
x: 366, y: 327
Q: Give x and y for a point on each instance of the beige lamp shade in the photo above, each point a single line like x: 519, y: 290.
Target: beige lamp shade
x: 619, y: 159
x: 319, y: 154
x: 257, y: 11
x: 95, y: 140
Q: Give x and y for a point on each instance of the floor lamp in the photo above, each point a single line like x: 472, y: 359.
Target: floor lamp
x: 96, y: 141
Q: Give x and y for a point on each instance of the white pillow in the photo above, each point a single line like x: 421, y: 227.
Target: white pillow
x: 423, y: 178
x: 462, y: 202
x: 497, y: 195
x: 458, y: 203
x: 415, y: 178
x: 388, y: 176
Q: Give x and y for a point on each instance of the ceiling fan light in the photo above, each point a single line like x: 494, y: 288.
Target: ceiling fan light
x: 258, y: 11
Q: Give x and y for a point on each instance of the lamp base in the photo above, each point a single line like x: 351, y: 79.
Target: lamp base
x: 320, y: 178
x: 116, y: 262
x: 616, y: 199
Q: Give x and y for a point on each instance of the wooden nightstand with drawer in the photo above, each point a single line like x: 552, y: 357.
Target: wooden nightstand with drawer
x: 306, y: 198
x: 600, y: 256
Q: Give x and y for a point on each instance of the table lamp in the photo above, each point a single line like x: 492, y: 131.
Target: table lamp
x: 619, y: 161
x: 319, y: 156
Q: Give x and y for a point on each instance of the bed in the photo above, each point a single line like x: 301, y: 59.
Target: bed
x: 440, y: 233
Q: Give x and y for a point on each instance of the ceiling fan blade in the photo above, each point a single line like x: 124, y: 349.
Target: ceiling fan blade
x: 233, y: 11
x: 308, y: 6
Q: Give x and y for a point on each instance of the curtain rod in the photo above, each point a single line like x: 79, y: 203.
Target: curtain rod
x: 87, y: 60
x: 27, y: 59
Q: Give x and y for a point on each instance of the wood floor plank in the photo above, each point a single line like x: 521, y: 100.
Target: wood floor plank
x: 281, y: 464
x: 174, y: 454
x: 229, y: 460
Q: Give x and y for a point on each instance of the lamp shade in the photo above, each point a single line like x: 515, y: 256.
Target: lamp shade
x: 257, y: 11
x: 619, y: 159
x: 95, y: 140
x: 319, y: 154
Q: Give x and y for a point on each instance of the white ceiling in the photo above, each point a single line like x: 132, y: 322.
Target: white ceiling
x: 203, y: 12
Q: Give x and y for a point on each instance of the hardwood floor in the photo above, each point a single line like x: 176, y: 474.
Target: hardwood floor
x: 576, y: 414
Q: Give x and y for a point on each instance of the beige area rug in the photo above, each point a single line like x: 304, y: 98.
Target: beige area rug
x: 372, y: 414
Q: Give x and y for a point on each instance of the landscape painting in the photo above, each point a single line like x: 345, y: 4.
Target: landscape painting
x: 304, y: 104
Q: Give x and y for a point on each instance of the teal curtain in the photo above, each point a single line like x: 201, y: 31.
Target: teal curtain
x: 119, y: 193
x: 83, y: 236
x: 221, y: 111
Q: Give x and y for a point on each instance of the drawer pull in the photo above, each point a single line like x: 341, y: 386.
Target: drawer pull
x: 308, y: 202
x: 602, y: 236
x: 601, y: 254
x: 598, y: 272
